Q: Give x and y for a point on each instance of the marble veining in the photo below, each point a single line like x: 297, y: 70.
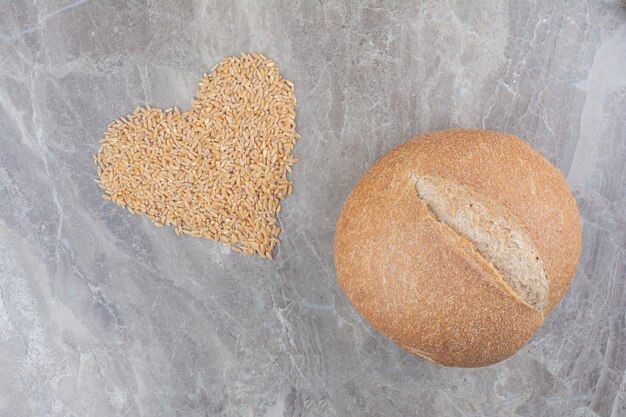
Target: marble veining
x: 103, y: 314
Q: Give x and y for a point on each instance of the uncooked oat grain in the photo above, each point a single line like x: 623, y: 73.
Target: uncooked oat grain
x: 217, y: 171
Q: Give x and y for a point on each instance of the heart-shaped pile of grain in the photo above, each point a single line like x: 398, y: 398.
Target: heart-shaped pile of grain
x: 218, y: 170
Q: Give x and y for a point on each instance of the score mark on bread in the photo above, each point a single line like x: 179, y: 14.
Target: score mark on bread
x: 493, y: 231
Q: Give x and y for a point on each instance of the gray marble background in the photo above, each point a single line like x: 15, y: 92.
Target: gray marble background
x: 103, y: 314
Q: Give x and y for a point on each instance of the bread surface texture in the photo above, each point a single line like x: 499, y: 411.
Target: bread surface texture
x: 457, y: 243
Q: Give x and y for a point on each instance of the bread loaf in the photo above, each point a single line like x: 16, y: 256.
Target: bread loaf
x: 457, y: 244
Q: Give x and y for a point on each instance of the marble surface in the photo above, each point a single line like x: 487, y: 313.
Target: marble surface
x: 103, y: 314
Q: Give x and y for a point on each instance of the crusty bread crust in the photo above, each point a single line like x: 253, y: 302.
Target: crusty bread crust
x: 425, y: 287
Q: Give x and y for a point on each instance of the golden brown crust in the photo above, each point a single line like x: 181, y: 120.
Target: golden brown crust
x: 417, y: 282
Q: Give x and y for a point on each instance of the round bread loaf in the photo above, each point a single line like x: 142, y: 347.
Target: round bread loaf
x: 456, y: 245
